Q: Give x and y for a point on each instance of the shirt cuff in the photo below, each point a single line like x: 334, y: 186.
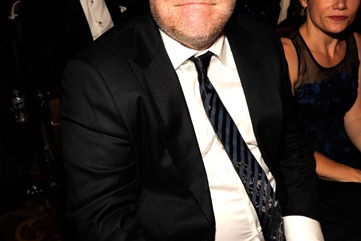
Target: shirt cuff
x: 300, y: 228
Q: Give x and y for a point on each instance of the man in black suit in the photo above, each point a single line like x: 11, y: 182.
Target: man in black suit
x: 55, y: 31
x: 142, y: 160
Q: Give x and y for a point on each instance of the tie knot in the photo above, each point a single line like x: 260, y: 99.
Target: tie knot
x: 202, y: 62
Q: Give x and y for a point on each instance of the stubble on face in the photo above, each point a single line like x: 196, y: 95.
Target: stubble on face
x: 193, y: 23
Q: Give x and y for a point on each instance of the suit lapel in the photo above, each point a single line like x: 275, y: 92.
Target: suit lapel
x: 179, y: 136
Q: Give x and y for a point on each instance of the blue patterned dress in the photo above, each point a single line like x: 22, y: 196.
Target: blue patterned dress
x: 324, y: 96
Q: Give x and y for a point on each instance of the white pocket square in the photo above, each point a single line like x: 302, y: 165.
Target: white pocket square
x: 122, y: 9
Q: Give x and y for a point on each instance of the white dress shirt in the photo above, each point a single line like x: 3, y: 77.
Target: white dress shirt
x: 284, y: 5
x: 236, y: 218
x: 98, y: 16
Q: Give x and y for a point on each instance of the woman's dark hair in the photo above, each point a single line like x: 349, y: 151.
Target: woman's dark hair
x: 356, y: 25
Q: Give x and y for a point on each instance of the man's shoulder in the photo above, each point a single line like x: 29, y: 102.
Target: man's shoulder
x: 134, y: 42
x: 254, y: 25
x: 116, y: 44
x: 249, y: 29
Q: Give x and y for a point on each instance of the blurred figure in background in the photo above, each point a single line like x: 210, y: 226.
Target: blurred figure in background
x: 324, y: 66
x: 55, y: 31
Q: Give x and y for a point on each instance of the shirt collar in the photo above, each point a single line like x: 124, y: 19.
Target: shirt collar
x: 179, y: 53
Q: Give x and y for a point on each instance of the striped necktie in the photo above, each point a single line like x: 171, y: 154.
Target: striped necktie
x: 251, y: 173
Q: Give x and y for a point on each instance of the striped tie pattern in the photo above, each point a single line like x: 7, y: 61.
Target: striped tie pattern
x: 251, y: 173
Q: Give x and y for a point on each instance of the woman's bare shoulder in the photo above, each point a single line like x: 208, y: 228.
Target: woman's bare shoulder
x: 291, y: 57
x: 289, y: 48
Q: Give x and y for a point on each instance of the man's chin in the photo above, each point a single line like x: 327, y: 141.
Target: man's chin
x: 197, y: 41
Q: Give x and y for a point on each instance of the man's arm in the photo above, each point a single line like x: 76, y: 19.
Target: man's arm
x: 99, y: 160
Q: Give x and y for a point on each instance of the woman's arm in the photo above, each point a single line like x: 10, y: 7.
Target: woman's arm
x: 292, y: 60
x: 353, y: 116
x: 328, y: 169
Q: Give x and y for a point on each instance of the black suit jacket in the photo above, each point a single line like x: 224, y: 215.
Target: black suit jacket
x: 55, y: 31
x: 133, y: 167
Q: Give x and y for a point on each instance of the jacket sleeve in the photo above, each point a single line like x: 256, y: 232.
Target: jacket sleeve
x: 99, y: 161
